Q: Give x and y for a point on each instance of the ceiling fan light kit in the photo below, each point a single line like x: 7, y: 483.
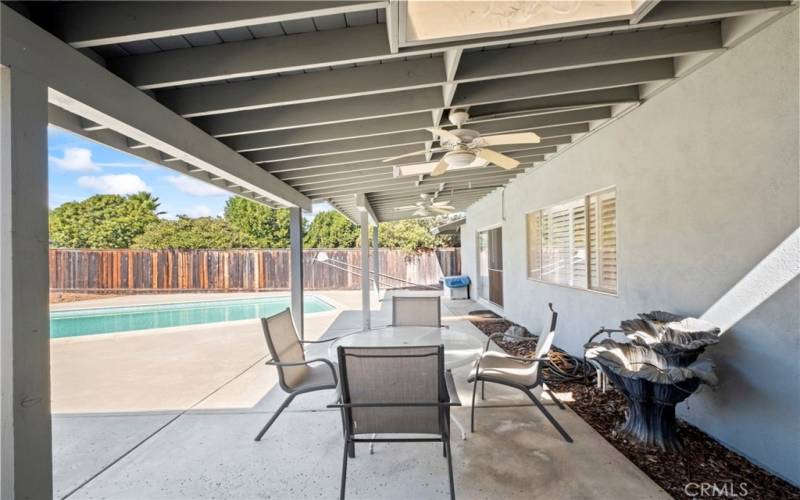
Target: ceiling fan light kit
x: 464, y: 146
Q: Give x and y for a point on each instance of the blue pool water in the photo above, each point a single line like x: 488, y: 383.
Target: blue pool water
x: 122, y: 319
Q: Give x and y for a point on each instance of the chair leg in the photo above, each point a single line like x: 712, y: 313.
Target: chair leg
x: 555, y: 399
x: 483, y: 390
x: 472, y: 416
x: 275, y: 416
x: 352, y: 451
x: 347, y: 444
x: 449, y: 455
x: 549, y: 417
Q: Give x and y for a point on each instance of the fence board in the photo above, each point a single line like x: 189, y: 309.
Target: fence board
x: 234, y: 270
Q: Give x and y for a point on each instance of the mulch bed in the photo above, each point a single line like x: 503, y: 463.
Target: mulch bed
x: 703, y: 460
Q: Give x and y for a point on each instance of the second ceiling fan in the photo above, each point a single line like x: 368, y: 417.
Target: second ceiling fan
x: 464, y: 145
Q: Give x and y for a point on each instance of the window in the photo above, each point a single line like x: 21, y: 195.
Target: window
x: 575, y: 243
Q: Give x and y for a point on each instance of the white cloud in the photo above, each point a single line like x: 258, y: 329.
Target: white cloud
x: 76, y: 160
x: 194, y: 187
x: 113, y: 184
x: 80, y: 160
x: 199, y: 211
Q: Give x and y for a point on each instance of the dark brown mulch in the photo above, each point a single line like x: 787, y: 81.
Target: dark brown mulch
x: 703, y: 460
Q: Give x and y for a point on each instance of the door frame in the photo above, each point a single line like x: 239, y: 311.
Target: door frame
x: 488, y: 303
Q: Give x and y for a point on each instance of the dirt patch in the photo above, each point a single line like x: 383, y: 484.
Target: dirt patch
x: 703, y: 460
x: 62, y: 297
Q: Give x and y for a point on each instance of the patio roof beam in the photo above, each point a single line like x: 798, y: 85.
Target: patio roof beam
x: 383, y: 176
x: 321, y: 113
x: 412, y: 101
x: 513, y: 123
x: 370, y: 43
x: 89, y: 24
x: 343, y: 146
x: 304, y: 87
x: 328, y: 133
x: 563, y: 82
x: 410, y: 184
x: 362, y: 205
x: 297, y: 180
x: 103, y: 98
x: 375, y: 127
x: 212, y: 63
x: 593, y: 51
x: 562, y: 131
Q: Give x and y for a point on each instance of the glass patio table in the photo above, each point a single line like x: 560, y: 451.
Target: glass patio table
x: 460, y: 348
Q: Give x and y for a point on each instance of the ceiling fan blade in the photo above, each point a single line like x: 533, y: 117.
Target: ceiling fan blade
x: 407, y: 207
x: 498, y: 159
x: 444, y: 134
x: 503, y: 139
x: 415, y: 153
x: 440, y: 210
x: 444, y: 207
x: 440, y: 203
x: 440, y: 168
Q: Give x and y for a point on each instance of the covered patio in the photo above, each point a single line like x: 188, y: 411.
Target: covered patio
x: 357, y: 103
x: 206, y: 449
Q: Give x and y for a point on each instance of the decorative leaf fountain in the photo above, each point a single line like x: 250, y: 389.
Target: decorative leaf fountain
x: 655, y: 370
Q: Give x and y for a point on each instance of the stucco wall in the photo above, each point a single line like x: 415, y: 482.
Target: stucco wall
x: 707, y: 182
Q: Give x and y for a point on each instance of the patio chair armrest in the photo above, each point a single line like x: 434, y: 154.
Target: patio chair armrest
x: 320, y: 341
x: 503, y: 334
x: 528, y: 360
x: 328, y: 362
x: 451, y: 388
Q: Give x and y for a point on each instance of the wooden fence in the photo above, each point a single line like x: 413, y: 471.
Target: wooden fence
x: 233, y: 270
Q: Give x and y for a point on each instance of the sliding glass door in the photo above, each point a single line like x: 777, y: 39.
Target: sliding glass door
x: 490, y: 265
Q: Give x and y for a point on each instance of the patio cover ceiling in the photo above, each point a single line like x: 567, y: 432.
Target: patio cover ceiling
x: 288, y: 102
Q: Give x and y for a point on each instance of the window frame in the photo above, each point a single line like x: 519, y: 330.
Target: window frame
x: 589, y: 246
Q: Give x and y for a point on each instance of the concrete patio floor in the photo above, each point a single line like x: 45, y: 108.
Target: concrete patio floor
x: 171, y: 414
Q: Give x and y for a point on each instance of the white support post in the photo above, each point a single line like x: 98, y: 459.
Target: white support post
x: 25, y: 439
x: 376, y: 258
x: 365, y: 310
x: 296, y: 241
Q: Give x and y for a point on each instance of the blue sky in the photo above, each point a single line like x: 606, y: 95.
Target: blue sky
x: 80, y: 168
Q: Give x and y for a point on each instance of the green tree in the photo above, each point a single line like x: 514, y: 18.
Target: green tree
x: 102, y: 221
x: 268, y: 226
x: 200, y: 233
x: 411, y: 234
x: 331, y: 230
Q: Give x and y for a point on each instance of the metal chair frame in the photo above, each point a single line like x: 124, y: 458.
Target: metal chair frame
x: 400, y: 298
x: 343, y: 398
x: 475, y: 377
x: 293, y: 392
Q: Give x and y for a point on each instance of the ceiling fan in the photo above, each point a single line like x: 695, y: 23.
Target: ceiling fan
x: 428, y: 206
x: 464, y: 145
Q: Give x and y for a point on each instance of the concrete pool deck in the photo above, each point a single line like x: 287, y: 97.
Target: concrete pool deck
x: 172, y: 413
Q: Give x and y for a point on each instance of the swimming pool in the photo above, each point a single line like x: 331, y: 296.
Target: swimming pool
x: 79, y: 322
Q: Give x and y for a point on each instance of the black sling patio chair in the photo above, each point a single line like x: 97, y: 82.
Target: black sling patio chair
x: 296, y: 374
x: 395, y: 391
x: 524, y: 374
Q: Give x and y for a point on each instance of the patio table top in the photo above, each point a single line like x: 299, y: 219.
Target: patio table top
x: 460, y: 347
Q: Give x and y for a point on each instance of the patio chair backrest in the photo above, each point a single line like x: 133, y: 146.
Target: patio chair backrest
x: 543, y: 345
x: 285, y: 347
x: 416, y: 311
x: 397, y: 378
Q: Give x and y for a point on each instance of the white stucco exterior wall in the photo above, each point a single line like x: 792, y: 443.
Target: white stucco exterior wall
x: 708, y: 184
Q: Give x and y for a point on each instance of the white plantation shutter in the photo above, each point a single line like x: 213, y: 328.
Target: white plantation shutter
x: 603, y: 217
x: 566, y: 248
x: 534, y: 221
